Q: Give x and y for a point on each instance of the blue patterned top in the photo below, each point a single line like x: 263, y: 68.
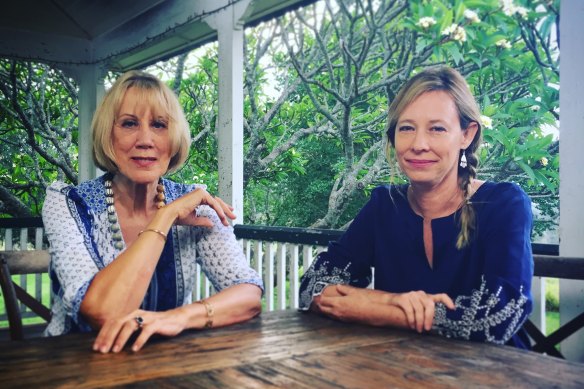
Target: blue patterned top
x: 489, y: 281
x: 77, y: 227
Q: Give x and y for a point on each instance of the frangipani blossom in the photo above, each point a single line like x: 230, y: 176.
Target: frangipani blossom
x: 426, y: 22
x: 472, y: 16
x: 521, y: 11
x: 504, y: 43
x: 486, y: 122
x: 511, y: 9
x: 455, y: 32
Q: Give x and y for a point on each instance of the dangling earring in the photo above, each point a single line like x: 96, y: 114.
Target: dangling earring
x: 463, y: 162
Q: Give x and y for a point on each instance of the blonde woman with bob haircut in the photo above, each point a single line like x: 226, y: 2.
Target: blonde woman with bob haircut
x: 124, y: 247
x: 450, y: 253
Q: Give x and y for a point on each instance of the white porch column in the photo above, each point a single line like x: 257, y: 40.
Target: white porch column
x: 230, y: 123
x: 91, y: 90
x: 571, y: 172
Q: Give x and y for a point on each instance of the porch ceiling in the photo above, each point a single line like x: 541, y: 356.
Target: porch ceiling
x: 118, y: 34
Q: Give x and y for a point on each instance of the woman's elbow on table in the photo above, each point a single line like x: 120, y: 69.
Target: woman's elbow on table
x: 94, y: 315
x: 252, y: 301
x: 236, y: 304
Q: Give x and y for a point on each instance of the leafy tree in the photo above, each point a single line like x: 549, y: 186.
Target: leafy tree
x: 38, y: 134
x: 341, y: 63
x: 318, y: 82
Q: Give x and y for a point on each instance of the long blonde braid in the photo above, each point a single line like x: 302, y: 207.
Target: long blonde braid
x: 467, y: 212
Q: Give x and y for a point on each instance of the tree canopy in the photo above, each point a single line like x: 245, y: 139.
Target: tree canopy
x: 317, y: 85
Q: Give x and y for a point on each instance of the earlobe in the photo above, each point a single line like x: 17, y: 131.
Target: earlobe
x: 469, y: 134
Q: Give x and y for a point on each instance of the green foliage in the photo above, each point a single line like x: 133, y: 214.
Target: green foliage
x: 38, y: 134
x: 350, y: 69
x: 317, y: 84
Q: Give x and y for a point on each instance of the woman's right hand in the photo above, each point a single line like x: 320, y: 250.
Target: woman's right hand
x: 115, y: 333
x: 186, y: 209
x: 419, y: 307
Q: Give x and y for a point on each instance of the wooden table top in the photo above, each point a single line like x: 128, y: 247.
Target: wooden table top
x: 284, y: 349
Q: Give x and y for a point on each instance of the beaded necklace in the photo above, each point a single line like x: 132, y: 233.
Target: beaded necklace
x: 111, y: 210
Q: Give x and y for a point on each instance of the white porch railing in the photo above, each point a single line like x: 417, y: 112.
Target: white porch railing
x: 24, y: 237
x: 278, y: 254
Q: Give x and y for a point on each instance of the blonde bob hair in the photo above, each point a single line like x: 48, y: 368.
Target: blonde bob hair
x: 164, y: 104
x: 452, y: 82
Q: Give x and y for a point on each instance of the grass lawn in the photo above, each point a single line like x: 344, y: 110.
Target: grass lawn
x: 30, y: 285
x: 552, y: 321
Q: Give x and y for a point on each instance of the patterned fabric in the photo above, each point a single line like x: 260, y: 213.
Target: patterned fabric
x: 77, y: 228
x: 489, y: 281
x: 482, y: 313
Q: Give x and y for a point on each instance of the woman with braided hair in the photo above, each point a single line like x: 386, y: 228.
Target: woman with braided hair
x: 449, y: 253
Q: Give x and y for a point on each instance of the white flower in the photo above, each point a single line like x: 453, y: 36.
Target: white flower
x: 486, y: 121
x: 504, y: 43
x: 448, y: 30
x: 511, y: 9
x: 455, y: 32
x: 544, y: 161
x: 521, y: 11
x: 507, y: 7
x: 535, y: 108
x: 471, y: 15
x: 426, y: 21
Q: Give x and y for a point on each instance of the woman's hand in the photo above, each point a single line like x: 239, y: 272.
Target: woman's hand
x: 413, y: 309
x: 418, y: 307
x: 114, y: 334
x: 186, y: 209
x: 345, y: 303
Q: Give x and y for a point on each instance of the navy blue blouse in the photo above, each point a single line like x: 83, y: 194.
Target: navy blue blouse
x: 489, y: 280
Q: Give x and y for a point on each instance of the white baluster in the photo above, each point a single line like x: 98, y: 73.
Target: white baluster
x: 281, y: 276
x: 306, y: 257
x: 269, y: 276
x: 294, y: 283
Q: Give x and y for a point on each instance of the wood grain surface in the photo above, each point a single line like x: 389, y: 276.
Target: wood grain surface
x: 284, y: 349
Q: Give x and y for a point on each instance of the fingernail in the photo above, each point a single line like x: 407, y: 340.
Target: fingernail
x: 116, y: 349
x: 103, y: 350
x: 134, y: 348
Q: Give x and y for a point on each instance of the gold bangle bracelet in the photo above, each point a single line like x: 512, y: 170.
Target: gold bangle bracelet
x: 210, y: 312
x: 154, y: 230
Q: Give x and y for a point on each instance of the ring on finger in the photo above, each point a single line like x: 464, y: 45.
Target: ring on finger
x: 140, y: 321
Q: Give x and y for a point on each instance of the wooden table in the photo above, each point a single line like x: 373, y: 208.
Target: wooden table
x: 284, y: 349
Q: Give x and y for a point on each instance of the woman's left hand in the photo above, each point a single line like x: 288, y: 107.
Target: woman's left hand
x: 419, y: 307
x: 227, y: 209
x: 186, y: 208
x: 114, y: 334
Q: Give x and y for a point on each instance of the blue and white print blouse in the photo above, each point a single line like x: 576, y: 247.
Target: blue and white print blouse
x: 489, y: 281
x: 77, y: 227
